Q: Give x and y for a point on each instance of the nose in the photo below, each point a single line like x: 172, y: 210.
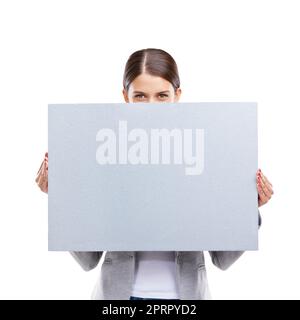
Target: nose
x: 152, y: 100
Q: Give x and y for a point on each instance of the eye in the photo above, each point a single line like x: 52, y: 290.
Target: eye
x: 162, y: 95
x: 139, y: 96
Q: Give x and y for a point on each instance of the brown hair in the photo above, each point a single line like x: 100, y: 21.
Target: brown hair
x: 155, y: 62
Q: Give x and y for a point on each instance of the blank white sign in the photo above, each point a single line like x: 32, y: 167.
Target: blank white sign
x: 161, y: 176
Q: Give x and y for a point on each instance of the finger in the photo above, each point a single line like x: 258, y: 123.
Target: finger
x: 37, y: 179
x: 267, y: 180
x: 44, y: 185
x: 262, y: 178
x: 40, y: 167
x: 266, y: 183
x: 43, y: 168
x: 265, y: 189
x: 43, y: 188
x: 45, y: 172
x: 262, y: 199
x: 257, y: 176
x: 261, y: 173
x: 261, y: 195
x: 40, y: 181
x: 41, y: 184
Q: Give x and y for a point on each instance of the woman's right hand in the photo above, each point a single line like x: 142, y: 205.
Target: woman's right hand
x: 42, y: 175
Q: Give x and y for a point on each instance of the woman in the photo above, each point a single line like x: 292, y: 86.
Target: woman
x: 151, y: 75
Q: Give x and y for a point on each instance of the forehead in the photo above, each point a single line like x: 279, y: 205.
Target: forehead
x: 150, y: 84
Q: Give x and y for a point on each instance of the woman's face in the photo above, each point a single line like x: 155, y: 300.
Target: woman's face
x: 148, y: 88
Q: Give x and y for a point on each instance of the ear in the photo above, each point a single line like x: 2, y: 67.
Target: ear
x: 177, y: 94
x: 125, y: 95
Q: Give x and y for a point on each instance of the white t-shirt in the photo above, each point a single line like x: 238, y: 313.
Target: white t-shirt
x: 155, y: 275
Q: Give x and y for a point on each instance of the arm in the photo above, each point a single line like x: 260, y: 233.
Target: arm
x: 87, y: 260
x: 224, y: 259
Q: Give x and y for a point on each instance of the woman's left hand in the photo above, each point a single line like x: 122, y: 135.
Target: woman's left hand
x: 264, y: 188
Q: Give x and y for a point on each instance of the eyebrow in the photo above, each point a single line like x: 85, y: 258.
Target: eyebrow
x: 159, y: 92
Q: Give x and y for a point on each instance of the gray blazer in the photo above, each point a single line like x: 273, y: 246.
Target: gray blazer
x: 117, y: 271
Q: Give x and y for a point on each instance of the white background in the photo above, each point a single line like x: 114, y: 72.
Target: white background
x: 75, y: 52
